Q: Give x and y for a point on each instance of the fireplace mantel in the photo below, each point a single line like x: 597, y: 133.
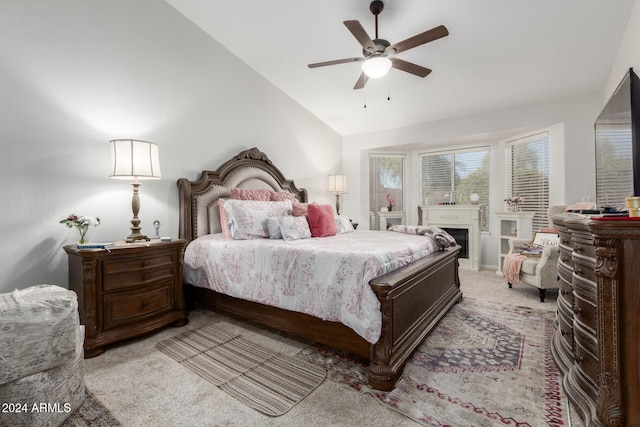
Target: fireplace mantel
x: 464, y: 217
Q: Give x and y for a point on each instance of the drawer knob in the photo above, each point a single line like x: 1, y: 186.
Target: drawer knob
x: 145, y: 303
x: 578, y: 271
x: 577, y: 310
x: 565, y: 259
x: 563, y: 332
x: 579, y: 359
x: 145, y: 277
x: 563, y: 292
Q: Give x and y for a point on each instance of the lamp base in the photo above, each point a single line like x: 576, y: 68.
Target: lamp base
x: 132, y: 238
x: 135, y: 222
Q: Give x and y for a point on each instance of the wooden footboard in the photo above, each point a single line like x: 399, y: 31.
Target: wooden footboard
x: 413, y: 299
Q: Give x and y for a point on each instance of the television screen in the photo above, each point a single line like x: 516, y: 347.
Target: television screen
x: 617, y: 152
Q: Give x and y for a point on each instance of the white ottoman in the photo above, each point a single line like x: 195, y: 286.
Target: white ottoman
x: 41, y: 356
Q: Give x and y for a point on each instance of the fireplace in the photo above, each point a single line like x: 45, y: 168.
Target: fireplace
x: 463, y: 223
x: 462, y: 237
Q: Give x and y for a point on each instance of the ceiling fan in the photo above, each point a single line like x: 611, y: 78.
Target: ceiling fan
x: 379, y: 54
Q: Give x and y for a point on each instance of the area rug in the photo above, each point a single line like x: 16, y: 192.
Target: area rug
x: 269, y: 382
x: 483, y: 365
x: 91, y: 414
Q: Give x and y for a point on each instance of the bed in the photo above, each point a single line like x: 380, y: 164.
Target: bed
x: 411, y: 299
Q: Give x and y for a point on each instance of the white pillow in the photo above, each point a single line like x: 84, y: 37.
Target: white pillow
x: 343, y: 224
x: 294, y: 228
x: 273, y: 227
x: 248, y: 218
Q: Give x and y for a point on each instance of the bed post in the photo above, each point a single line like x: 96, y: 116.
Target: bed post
x: 185, y: 230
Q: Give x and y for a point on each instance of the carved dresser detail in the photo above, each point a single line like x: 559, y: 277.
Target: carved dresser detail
x: 597, y: 340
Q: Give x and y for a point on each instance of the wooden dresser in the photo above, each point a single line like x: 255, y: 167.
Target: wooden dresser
x: 127, y: 291
x: 597, y: 338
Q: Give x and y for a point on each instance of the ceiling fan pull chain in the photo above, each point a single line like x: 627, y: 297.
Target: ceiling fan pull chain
x: 389, y: 87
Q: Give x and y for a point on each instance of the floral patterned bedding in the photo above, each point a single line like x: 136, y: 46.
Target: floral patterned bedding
x: 325, y: 277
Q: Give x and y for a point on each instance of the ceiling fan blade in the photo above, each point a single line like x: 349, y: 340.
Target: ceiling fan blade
x: 361, y: 35
x: 334, y: 62
x: 410, y: 67
x: 362, y: 80
x: 419, y: 39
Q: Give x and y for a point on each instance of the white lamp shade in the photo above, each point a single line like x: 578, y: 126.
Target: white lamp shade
x: 337, y: 184
x: 376, y: 67
x: 133, y: 159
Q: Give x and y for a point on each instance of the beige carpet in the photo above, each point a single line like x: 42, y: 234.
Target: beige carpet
x: 142, y: 387
x: 266, y: 381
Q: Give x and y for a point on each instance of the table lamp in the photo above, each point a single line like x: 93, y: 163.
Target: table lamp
x: 134, y: 160
x: 337, y: 185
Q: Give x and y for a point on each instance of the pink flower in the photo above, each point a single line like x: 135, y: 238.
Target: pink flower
x: 390, y: 200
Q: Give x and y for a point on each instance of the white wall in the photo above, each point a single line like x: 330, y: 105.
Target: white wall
x: 570, y: 122
x: 77, y: 73
x: 628, y: 54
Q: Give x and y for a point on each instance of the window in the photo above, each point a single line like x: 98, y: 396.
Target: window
x: 386, y: 176
x: 527, y: 173
x: 453, y: 176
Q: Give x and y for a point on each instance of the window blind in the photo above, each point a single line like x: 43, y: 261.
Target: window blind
x: 386, y: 176
x: 614, y: 163
x: 528, y: 175
x: 452, y: 176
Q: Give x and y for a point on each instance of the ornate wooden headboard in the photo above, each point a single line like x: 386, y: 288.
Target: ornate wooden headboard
x: 251, y: 169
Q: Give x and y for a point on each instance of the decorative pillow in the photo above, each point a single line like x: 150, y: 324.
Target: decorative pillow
x: 224, y: 219
x: 294, y: 228
x: 301, y: 209
x: 282, y: 195
x: 321, y: 220
x: 273, y: 227
x: 343, y: 224
x: 248, y: 218
x: 246, y: 194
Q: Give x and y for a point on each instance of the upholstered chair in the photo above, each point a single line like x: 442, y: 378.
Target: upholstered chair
x: 539, y: 271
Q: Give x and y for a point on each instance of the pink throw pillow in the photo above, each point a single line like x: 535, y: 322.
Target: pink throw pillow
x: 279, y: 196
x: 300, y: 209
x: 224, y: 219
x: 321, y: 221
x: 246, y: 194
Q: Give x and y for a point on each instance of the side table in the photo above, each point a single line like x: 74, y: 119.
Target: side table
x: 127, y: 291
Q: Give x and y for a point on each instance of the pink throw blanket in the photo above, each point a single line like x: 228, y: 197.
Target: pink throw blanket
x: 511, y: 267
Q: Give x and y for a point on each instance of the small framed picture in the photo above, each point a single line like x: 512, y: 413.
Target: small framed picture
x: 546, y: 239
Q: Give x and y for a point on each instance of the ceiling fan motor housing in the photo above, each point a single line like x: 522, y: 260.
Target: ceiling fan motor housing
x: 381, y: 45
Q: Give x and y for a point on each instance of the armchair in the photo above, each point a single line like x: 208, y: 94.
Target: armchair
x: 538, y: 271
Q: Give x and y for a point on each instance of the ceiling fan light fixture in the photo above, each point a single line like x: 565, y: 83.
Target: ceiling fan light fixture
x: 376, y: 67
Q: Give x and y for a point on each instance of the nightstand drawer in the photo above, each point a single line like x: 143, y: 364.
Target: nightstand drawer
x: 129, y: 273
x: 122, y: 308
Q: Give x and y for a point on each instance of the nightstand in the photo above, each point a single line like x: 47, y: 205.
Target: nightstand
x: 127, y: 291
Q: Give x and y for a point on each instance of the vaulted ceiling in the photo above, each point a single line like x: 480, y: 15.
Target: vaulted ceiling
x: 499, y: 53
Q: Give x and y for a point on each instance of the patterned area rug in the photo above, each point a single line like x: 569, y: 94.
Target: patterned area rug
x: 268, y: 382
x: 91, y: 414
x: 483, y: 365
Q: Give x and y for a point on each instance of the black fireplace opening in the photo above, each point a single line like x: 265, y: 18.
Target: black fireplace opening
x: 461, y: 235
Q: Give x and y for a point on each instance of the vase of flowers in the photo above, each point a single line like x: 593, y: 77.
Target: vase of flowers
x: 391, y: 202
x: 81, y: 223
x: 513, y: 202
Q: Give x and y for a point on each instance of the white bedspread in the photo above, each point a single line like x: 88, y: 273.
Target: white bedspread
x: 325, y: 277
